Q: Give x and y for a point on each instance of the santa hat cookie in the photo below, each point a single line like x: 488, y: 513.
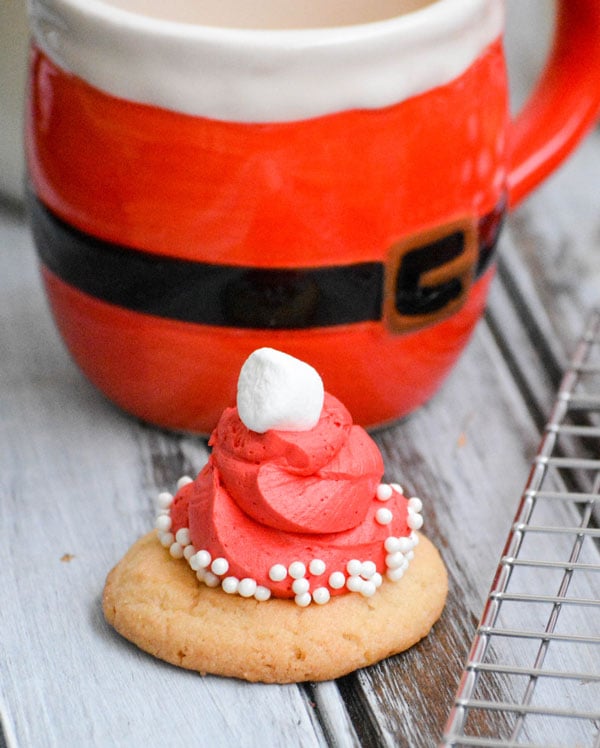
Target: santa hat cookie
x: 288, y: 518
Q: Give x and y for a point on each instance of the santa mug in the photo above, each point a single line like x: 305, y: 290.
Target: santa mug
x: 325, y: 178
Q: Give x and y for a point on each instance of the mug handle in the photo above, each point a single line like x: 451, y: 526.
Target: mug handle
x: 565, y: 103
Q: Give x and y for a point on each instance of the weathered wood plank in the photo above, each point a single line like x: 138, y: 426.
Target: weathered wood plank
x: 466, y: 454
x: 77, y: 484
x: 553, y: 264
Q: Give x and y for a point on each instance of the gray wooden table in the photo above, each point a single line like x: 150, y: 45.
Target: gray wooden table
x: 78, y: 479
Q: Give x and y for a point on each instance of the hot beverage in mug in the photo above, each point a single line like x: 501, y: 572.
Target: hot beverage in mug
x: 272, y: 14
x: 331, y: 184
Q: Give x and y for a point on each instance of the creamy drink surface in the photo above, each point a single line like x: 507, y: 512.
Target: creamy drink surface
x: 272, y: 14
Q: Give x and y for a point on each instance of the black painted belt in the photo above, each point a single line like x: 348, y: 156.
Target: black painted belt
x: 249, y: 297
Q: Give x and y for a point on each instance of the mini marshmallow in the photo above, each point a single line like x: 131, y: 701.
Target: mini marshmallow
x: 278, y: 391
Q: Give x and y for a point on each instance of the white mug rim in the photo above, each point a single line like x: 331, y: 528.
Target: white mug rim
x: 82, y: 36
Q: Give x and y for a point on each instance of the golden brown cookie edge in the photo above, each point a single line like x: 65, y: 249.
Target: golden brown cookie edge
x: 156, y: 602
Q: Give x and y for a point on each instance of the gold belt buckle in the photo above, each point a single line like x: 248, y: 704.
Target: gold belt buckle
x: 428, y: 275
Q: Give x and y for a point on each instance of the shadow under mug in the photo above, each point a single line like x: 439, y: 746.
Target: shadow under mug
x: 198, y: 191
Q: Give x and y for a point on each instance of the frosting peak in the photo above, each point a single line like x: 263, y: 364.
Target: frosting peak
x: 292, y: 513
x: 318, y: 481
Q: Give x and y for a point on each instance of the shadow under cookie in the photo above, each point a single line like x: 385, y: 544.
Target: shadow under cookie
x: 156, y: 602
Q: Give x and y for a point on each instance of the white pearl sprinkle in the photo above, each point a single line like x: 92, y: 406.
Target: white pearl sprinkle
x: 189, y: 551
x: 368, y: 589
x: 200, y: 574
x: 337, y: 580
x: 300, y: 586
x: 405, y: 544
x: 262, y: 593
x: 368, y: 568
x: 220, y: 566
x: 182, y: 536
x: 383, y: 516
x: 414, y: 538
x: 355, y: 584
x: 200, y: 560
x: 230, y: 585
x: 296, y: 570
x: 166, y: 538
x: 303, y: 600
x: 163, y: 523
x: 377, y: 579
x: 321, y: 595
x: 211, y: 580
x: 414, y: 521
x: 394, y: 560
x: 277, y: 573
x: 247, y: 587
x: 415, y: 504
x: 397, y: 487
x: 176, y: 550
x: 164, y: 500
x: 353, y: 567
x: 410, y: 555
x: 384, y: 492
x: 183, y: 481
x: 395, y: 574
x: 317, y: 567
x: 392, y: 544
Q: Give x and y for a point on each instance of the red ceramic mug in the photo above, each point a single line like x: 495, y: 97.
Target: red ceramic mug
x: 329, y: 181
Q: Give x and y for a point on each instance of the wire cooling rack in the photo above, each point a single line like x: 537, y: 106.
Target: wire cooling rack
x: 533, y: 673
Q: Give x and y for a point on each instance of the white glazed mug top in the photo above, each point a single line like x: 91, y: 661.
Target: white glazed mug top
x: 264, y: 75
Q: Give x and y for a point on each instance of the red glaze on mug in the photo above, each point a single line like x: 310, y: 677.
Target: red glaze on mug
x: 335, y: 193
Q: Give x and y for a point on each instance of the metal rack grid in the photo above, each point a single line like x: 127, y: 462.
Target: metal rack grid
x: 533, y: 673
